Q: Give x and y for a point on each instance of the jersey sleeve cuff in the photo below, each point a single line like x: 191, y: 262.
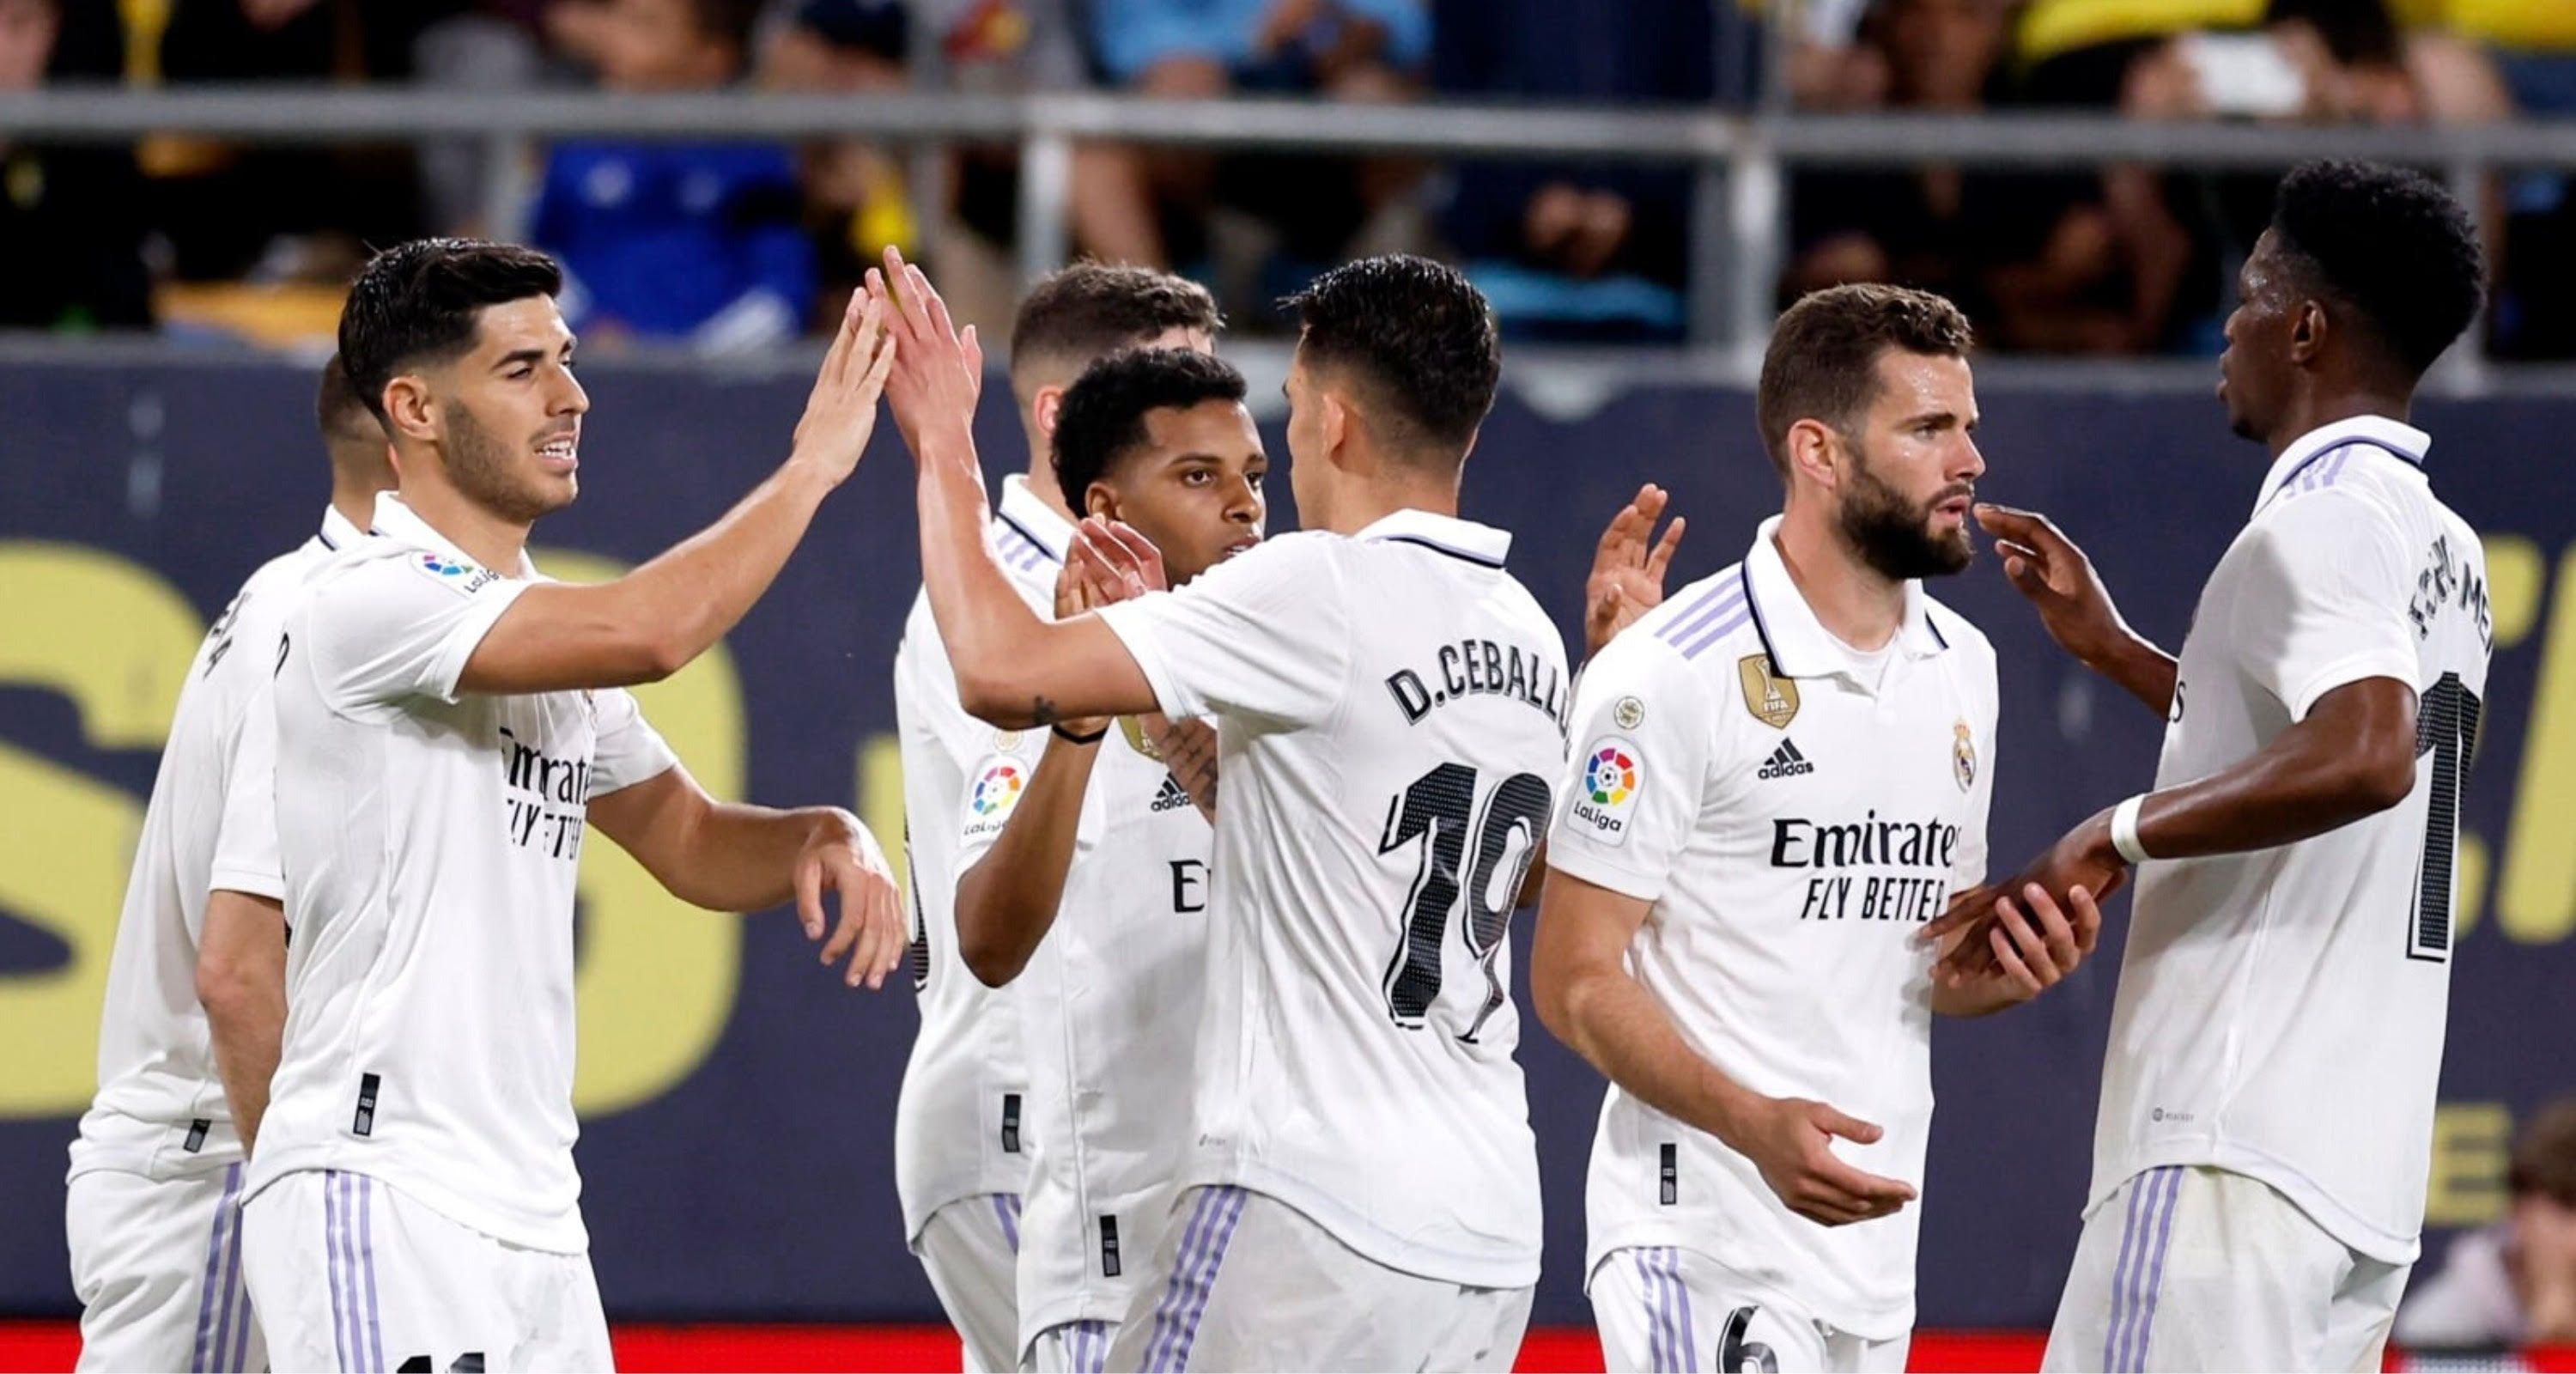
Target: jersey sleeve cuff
x: 467, y: 634
x: 1593, y: 869
x: 2343, y: 672
x: 1134, y: 624
x: 253, y: 881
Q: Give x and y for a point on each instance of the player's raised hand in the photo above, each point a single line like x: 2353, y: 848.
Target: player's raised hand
x: 2083, y: 858
x: 1120, y: 563
x: 1791, y: 1139
x: 1627, y: 572
x: 2027, y: 954
x: 938, y: 373
x: 841, y: 411
x: 1188, y: 749
x: 2049, y: 569
x: 846, y: 860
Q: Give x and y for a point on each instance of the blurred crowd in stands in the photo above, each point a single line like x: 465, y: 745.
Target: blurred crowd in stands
x: 732, y: 245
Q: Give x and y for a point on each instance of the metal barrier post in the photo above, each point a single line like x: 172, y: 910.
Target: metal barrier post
x: 1046, y: 185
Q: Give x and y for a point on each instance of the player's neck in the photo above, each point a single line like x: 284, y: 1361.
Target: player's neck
x: 1855, y: 602
x: 494, y: 541
x: 1357, y: 506
x: 2312, y: 412
x: 356, y: 504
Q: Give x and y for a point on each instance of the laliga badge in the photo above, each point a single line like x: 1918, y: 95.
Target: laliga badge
x: 1963, y: 755
x: 1772, y: 700
x: 1136, y: 739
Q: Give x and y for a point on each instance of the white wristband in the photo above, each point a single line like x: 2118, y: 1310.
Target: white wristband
x: 2124, y: 829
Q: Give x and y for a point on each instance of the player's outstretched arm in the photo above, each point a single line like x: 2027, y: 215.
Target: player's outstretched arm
x: 650, y: 623
x: 1115, y: 562
x: 729, y: 857
x: 1013, y: 668
x: 1007, y: 897
x: 1588, y: 999
x: 1627, y: 572
x: 2353, y: 756
x: 241, y: 980
x: 2048, y: 568
x: 2030, y: 954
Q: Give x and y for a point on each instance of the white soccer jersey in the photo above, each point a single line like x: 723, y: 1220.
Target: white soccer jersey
x: 2281, y: 1012
x: 430, y: 840
x: 1109, y: 1011
x: 1390, y: 711
x: 960, y: 1123
x: 1795, y: 811
x: 160, y: 1107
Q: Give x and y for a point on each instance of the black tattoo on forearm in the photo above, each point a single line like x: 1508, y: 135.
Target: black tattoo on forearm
x: 1043, y: 712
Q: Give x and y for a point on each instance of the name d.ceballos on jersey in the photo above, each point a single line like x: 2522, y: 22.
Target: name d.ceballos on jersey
x: 549, y: 797
x: 1481, y: 668
x: 1865, y: 844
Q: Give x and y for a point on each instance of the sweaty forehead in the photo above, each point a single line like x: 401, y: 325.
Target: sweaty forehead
x: 1922, y: 383
x: 531, y: 322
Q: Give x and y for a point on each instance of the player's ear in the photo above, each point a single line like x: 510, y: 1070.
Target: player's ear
x: 1044, y: 406
x: 1812, y: 453
x: 1098, y: 499
x: 2309, y: 325
x: 1333, y: 422
x: 409, y: 411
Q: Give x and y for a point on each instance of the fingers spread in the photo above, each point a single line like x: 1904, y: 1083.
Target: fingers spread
x: 1663, y: 554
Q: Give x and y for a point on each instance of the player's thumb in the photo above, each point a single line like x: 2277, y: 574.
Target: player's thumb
x: 1833, y: 1122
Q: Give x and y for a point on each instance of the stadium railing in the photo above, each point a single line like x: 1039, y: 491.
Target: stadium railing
x: 1740, y: 161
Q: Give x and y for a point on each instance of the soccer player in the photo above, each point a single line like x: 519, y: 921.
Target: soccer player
x: 448, y: 723
x: 1784, y: 771
x: 2266, y: 1124
x: 1084, y: 870
x: 196, y: 990
x: 961, y: 1137
x: 1360, y: 1189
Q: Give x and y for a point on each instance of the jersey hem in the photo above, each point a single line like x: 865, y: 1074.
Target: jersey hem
x: 566, y: 1237
x: 2344, y: 672
x: 1517, y: 1269
x: 1136, y: 634
x: 255, y: 882
x: 2348, y: 1227
x: 1602, y: 873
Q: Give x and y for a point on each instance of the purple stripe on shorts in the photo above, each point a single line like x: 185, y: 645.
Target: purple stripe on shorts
x: 2159, y: 1190
x: 1189, y: 1333
x: 1650, y: 1293
x: 331, y: 1264
x: 229, y: 1349
x: 348, y: 1253
x: 2119, y: 1270
x: 1006, y: 1210
x: 1681, y: 1300
x: 367, y: 1254
x: 2143, y: 1327
x: 210, y: 1291
x: 1168, y: 1310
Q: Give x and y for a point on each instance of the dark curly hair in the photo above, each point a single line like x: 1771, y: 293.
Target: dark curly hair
x: 420, y: 301
x: 1080, y: 313
x: 1823, y: 360
x: 2390, y: 243
x: 1102, y: 419
x: 1418, y: 335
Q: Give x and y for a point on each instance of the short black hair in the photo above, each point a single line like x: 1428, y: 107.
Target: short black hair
x: 2392, y: 244
x: 1080, y: 313
x: 1823, y: 360
x: 1418, y: 334
x: 339, y: 413
x: 419, y: 301
x: 1102, y: 419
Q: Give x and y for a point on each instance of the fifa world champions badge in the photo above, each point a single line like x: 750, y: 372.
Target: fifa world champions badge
x: 1963, y: 755
x: 1772, y: 699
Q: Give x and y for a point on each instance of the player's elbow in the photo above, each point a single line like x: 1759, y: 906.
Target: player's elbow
x: 1557, y: 994
x: 993, y: 959
x: 2381, y: 775
x: 994, y: 698
x: 231, y: 983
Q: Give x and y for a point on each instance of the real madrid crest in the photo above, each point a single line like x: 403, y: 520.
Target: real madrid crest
x: 1007, y: 741
x: 1772, y: 699
x: 1136, y: 739
x: 1629, y: 712
x: 1963, y: 755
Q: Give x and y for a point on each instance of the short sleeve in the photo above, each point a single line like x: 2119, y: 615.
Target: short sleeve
x: 246, y: 856
x: 1973, y: 759
x: 1259, y: 637
x: 625, y: 748
x: 1630, y: 798
x: 2323, y: 601
x: 399, y: 627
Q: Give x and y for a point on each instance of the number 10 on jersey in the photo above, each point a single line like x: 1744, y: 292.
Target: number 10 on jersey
x: 1434, y: 816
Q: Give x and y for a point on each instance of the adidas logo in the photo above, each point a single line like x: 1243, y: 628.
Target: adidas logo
x: 1171, y: 798
x: 1785, y: 762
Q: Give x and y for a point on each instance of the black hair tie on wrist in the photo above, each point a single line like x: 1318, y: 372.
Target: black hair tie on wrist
x: 1070, y: 737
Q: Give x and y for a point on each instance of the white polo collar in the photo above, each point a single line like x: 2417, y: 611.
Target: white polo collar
x: 399, y: 522
x: 1797, y: 643
x: 2372, y: 432
x: 338, y: 531
x: 1028, y: 513
x: 1466, y: 540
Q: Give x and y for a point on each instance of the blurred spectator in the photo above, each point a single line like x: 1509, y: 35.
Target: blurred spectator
x: 856, y: 198
x: 1592, y: 250
x: 1356, y: 50
x: 70, y: 218
x: 2513, y: 1283
x: 694, y: 241
x: 2037, y: 260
